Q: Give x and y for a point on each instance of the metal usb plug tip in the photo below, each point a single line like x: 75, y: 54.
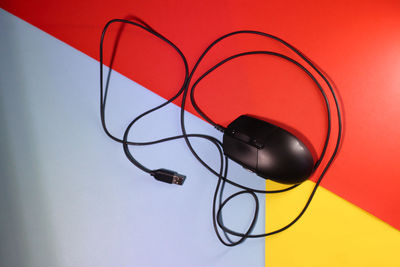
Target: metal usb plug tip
x: 178, y: 179
x: 168, y: 176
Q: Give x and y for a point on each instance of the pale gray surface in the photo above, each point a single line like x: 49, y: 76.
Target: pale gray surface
x: 68, y: 195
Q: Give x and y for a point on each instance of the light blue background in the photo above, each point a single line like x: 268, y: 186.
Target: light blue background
x: 68, y: 195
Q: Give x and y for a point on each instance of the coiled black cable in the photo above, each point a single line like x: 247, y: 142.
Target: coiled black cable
x: 223, y: 170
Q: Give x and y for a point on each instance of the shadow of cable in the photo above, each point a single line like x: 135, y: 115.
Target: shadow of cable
x: 115, y: 48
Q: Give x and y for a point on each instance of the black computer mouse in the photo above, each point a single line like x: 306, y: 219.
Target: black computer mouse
x: 268, y: 150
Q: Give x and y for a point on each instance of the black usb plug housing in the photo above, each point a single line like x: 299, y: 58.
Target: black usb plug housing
x: 168, y: 176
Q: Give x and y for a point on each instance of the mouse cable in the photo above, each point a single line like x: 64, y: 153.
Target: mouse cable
x: 218, y: 215
x: 169, y: 176
x: 124, y: 141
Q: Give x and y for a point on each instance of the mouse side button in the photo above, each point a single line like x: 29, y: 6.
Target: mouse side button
x: 240, y: 152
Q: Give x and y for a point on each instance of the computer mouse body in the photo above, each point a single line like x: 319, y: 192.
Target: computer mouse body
x: 268, y: 150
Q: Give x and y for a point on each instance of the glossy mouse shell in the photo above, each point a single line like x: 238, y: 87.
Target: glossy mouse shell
x: 268, y: 150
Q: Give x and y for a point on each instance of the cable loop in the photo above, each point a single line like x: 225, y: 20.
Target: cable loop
x: 223, y: 170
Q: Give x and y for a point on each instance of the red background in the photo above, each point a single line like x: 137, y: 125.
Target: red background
x: 356, y: 43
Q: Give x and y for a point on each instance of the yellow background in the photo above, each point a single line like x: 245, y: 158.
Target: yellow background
x: 332, y: 232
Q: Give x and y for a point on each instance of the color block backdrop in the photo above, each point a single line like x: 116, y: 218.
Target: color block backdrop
x: 354, y: 219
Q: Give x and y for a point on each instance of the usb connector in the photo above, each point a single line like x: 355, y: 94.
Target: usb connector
x: 168, y: 176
